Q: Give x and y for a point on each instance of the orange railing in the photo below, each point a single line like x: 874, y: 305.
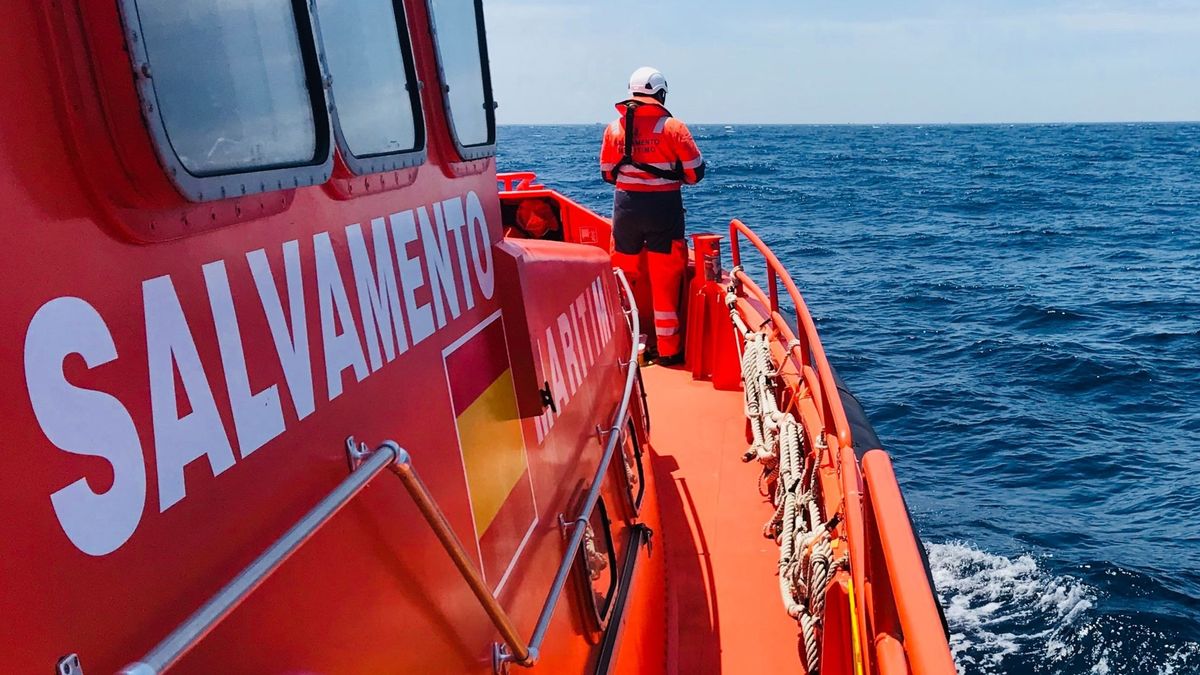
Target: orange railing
x: 899, y: 627
x: 806, y: 348
x: 904, y: 611
x: 518, y: 180
x: 526, y: 183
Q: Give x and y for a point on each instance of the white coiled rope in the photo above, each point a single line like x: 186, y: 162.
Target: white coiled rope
x: 805, y: 553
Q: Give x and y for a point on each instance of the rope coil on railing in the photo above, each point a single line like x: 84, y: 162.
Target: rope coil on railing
x: 806, y: 562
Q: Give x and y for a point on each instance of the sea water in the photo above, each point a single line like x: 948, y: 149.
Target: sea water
x: 1018, y: 307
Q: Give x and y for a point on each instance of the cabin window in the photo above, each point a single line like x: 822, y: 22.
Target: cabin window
x: 597, y: 564
x: 633, y: 466
x: 230, y: 83
x: 376, y: 102
x: 462, y: 57
x: 641, y: 387
x: 231, y: 93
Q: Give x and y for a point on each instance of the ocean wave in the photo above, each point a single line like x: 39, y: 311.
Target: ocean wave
x: 989, y: 599
x: 1034, y: 315
x: 1012, y: 615
x: 743, y: 168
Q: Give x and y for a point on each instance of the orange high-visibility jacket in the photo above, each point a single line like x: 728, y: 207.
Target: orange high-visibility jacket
x: 662, y: 156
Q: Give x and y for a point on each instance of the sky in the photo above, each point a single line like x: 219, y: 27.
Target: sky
x: 850, y: 61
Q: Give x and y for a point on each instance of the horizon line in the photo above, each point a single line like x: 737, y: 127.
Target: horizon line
x: 875, y: 124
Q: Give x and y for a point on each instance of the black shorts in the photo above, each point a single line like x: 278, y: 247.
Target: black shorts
x: 647, y: 219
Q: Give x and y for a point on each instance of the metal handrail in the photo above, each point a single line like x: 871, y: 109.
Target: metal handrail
x: 811, y: 343
x: 181, y: 640
x: 366, y: 466
x: 458, y: 554
x: 593, y: 495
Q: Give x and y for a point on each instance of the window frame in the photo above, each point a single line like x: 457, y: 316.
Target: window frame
x: 600, y: 614
x: 629, y: 438
x: 207, y: 187
x: 362, y: 165
x: 478, y: 150
x: 645, y: 407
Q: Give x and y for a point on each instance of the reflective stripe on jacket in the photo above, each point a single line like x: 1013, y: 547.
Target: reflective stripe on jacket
x: 660, y: 141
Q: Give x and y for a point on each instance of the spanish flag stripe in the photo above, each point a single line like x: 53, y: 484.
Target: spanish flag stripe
x: 500, y: 543
x: 493, y: 448
x: 475, y: 365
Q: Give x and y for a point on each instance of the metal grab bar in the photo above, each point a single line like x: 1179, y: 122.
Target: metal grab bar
x: 832, y: 410
x: 458, y: 553
x: 366, y: 466
x: 593, y: 494
x: 181, y: 640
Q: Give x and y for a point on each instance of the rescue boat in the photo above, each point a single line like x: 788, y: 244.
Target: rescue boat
x: 289, y: 391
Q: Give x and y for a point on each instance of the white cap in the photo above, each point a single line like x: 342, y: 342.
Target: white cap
x: 647, y: 81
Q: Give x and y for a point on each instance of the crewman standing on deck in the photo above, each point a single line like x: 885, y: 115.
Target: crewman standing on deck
x: 648, y: 155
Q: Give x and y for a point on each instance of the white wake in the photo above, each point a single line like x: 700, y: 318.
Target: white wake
x: 1009, y: 615
x: 991, y: 602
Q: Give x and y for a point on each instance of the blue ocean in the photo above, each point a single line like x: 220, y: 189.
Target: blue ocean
x: 1018, y: 308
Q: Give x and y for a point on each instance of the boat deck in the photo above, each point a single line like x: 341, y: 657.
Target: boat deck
x: 723, y: 608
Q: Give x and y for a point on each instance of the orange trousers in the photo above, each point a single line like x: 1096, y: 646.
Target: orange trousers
x: 666, y: 275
